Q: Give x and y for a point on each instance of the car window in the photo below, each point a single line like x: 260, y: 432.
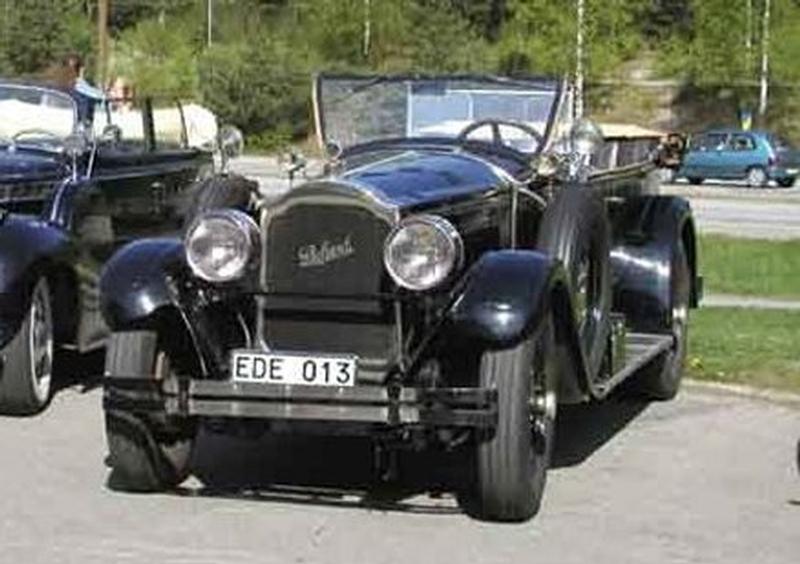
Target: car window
x: 169, y: 125
x: 708, y: 142
x: 119, y: 123
x: 741, y: 142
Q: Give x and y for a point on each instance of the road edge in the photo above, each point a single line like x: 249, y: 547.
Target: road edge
x: 788, y: 399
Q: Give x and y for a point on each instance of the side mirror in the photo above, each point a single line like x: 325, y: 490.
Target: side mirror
x: 230, y: 142
x: 111, y: 134
x: 333, y: 150
x: 76, y: 144
x: 293, y: 163
x: 586, y: 138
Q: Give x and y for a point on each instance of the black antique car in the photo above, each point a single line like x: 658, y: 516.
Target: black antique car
x: 470, y: 259
x: 78, y: 178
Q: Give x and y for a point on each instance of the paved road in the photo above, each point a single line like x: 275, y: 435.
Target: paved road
x: 707, y: 478
x: 732, y: 210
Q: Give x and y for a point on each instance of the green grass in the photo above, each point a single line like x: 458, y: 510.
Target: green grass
x: 750, y: 267
x: 755, y: 347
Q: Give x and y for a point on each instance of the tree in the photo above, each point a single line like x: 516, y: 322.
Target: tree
x: 61, y: 27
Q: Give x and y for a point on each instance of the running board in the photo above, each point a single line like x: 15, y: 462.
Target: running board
x: 640, y: 348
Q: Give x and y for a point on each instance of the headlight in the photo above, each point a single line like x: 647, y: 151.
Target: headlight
x: 220, y: 245
x: 422, y: 251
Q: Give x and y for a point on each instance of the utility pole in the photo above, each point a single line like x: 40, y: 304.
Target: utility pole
x: 103, y: 10
x: 579, y: 61
x: 762, y: 100
x: 209, y: 21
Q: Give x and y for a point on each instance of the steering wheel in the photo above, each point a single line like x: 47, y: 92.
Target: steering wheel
x: 495, y: 124
x: 35, y: 132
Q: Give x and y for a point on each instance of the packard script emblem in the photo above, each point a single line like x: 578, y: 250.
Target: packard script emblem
x: 324, y: 253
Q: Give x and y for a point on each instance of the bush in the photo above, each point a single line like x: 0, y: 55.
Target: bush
x: 159, y: 58
x: 258, y: 86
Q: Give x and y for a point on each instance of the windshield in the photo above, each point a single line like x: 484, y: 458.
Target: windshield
x: 352, y: 111
x: 35, y: 115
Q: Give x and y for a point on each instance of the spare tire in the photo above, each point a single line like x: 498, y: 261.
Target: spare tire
x: 575, y: 230
x: 218, y: 191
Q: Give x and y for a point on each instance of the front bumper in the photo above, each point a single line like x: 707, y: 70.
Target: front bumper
x: 440, y: 407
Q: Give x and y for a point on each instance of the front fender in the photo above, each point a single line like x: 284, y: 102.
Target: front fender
x: 134, y: 283
x: 27, y: 247
x: 504, y: 300
x: 505, y: 296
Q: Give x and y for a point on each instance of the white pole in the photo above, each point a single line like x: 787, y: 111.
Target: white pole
x: 748, y: 39
x: 367, y: 26
x: 762, y: 102
x: 579, y: 61
x: 209, y: 20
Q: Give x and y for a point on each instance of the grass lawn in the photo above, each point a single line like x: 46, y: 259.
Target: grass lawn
x: 750, y: 267
x: 756, y: 347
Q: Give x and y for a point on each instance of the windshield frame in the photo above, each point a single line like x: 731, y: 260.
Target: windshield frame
x: 555, y: 85
x: 44, y: 89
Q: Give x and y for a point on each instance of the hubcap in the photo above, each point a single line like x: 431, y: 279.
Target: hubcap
x: 40, y: 341
x: 756, y: 177
x: 543, y: 404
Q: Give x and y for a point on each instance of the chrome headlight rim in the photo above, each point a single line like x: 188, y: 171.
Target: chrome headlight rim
x: 252, y: 243
x: 441, y: 226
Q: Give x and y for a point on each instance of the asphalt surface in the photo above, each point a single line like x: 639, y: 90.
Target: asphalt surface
x: 728, y: 209
x: 706, y: 478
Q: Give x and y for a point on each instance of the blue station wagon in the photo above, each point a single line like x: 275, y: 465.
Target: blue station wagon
x: 754, y: 156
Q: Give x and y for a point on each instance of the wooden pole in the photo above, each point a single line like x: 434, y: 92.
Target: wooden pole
x: 103, y: 9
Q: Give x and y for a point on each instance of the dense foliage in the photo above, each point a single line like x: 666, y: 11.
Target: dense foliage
x: 256, y: 70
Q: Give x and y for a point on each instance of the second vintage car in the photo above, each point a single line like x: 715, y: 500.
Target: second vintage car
x: 78, y: 179
x: 470, y: 260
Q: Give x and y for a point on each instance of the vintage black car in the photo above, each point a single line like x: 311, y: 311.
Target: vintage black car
x: 78, y: 178
x: 470, y: 259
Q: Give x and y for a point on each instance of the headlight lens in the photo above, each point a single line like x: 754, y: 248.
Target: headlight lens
x: 422, y: 251
x: 220, y: 245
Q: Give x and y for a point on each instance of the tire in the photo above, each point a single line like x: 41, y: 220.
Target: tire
x: 661, y: 378
x: 786, y: 182
x: 219, y: 191
x: 575, y: 230
x: 26, y: 374
x: 756, y: 177
x: 695, y: 180
x: 511, y: 466
x: 146, y: 452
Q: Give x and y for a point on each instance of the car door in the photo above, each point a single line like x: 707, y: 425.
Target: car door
x: 174, y: 165
x: 143, y: 168
x: 702, y: 159
x: 738, y: 156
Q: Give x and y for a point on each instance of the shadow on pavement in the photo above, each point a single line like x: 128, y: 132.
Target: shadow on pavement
x: 83, y: 371
x: 337, y: 471
x: 583, y: 429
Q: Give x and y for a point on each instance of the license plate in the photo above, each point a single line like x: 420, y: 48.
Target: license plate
x: 792, y: 171
x: 296, y: 369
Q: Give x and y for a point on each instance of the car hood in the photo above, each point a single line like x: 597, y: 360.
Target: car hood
x: 29, y: 166
x: 413, y: 178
